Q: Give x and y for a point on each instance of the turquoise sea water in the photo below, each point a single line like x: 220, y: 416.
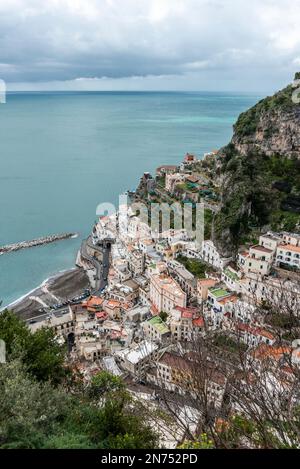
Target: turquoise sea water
x: 61, y: 154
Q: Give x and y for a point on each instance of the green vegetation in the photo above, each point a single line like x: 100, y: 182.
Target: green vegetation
x: 208, y: 221
x: 40, y: 353
x: 248, y: 121
x: 202, y: 443
x: 53, y: 411
x: 259, y: 191
x: 195, y: 266
x: 282, y: 321
x: 257, y: 188
x: 260, y: 433
x: 229, y: 344
x: 159, y: 324
x: 163, y: 316
x: 219, y: 292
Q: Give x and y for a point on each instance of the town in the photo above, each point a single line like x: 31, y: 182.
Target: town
x: 174, y: 317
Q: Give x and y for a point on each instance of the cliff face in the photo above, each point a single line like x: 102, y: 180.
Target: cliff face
x: 272, y: 126
x: 260, y: 171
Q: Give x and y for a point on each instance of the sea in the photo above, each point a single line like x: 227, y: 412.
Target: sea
x: 63, y: 153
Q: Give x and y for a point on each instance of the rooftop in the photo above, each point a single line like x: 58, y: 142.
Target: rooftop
x: 289, y: 247
x: 232, y: 275
x: 169, y: 284
x: 219, y: 292
x: 260, y: 248
x: 198, y: 322
x: 140, y: 351
x: 159, y: 324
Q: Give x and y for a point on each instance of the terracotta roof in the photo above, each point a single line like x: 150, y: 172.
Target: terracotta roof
x: 112, y: 303
x: 268, y: 351
x: 258, y: 247
x: 198, y: 322
x: 187, y: 312
x: 175, y: 361
x: 255, y: 330
x: 244, y: 253
x: 101, y: 315
x: 289, y: 247
x: 208, y: 282
x: 228, y: 299
x: 94, y: 301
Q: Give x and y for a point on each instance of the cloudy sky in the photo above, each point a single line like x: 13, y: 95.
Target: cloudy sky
x: 149, y: 44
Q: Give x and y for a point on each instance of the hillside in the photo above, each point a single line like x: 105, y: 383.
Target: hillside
x: 260, y: 172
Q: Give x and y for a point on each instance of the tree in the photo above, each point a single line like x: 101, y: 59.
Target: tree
x: 37, y: 415
x: 241, y: 395
x: 14, y: 332
x: 103, y: 383
x: 163, y: 316
x: 44, y: 356
x: 39, y: 351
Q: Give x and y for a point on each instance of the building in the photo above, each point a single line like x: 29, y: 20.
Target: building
x: 148, y: 182
x: 136, y: 262
x: 258, y: 259
x: 231, y: 276
x: 112, y: 308
x: 253, y: 336
x: 186, y: 279
x: 156, y: 330
x: 126, y: 292
x: 62, y: 324
x: 92, y: 350
x: 179, y: 374
x: 138, y: 313
x: 137, y: 359
x: 216, y: 297
x: 166, y: 169
x: 273, y: 289
x: 203, y: 284
x: 291, y: 238
x: 185, y: 324
x: 288, y: 255
x: 165, y: 293
x: 211, y: 255
x: 189, y: 159
x: 270, y: 240
x: 172, y: 180
x: 219, y: 302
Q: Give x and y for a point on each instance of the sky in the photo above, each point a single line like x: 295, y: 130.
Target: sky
x: 234, y: 45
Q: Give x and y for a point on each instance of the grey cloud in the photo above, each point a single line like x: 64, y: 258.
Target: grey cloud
x: 65, y: 39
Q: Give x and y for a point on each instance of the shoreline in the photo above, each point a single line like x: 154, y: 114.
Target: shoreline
x: 66, y: 283
x: 35, y: 289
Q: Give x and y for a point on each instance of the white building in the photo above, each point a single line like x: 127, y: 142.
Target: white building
x: 258, y: 259
x: 288, y: 255
x: 211, y: 255
x: 136, y: 359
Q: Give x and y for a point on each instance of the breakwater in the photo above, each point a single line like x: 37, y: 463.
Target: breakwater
x: 35, y: 242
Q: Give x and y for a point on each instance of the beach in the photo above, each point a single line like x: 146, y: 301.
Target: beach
x: 54, y: 290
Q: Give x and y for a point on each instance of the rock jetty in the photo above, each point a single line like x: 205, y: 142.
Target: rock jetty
x: 35, y: 242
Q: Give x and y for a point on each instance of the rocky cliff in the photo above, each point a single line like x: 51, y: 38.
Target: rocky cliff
x: 271, y: 126
x: 260, y: 171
